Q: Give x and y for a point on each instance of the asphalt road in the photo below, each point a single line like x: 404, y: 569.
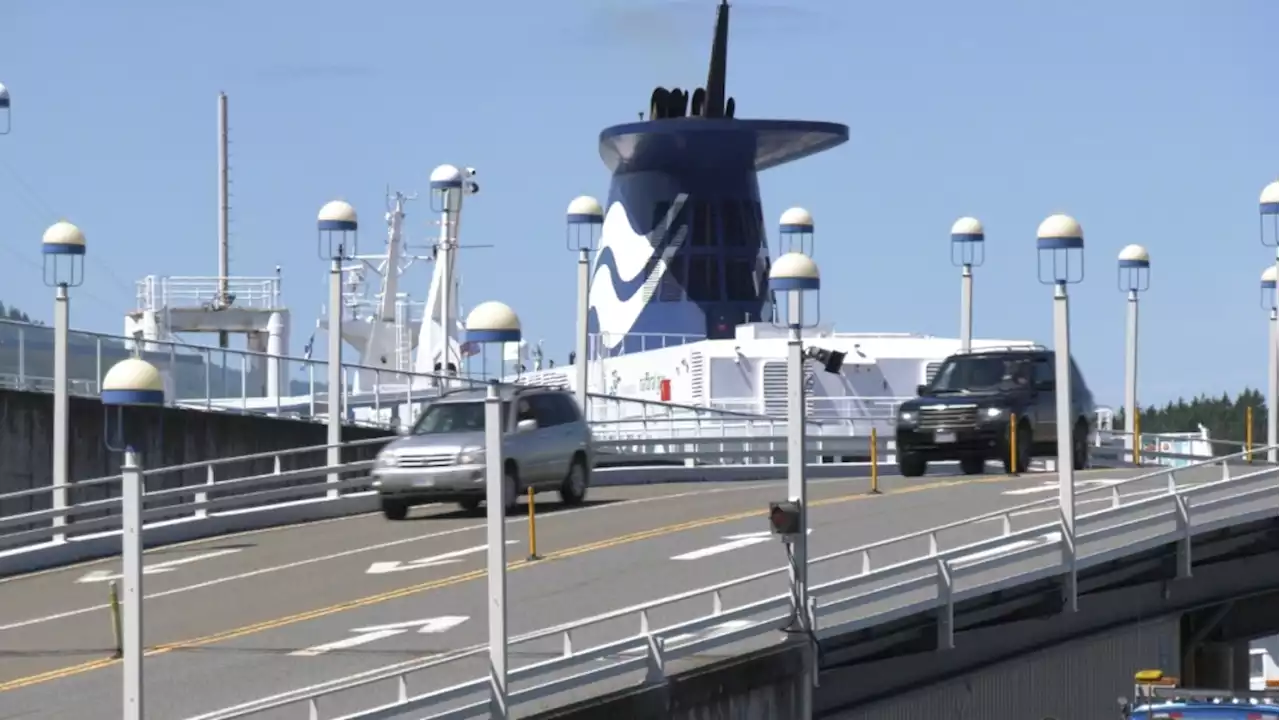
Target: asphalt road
x: 238, y: 618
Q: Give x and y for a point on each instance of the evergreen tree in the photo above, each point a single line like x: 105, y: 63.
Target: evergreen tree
x: 1224, y: 417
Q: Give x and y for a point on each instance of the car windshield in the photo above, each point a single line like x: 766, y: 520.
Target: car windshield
x: 980, y: 373
x: 453, y: 417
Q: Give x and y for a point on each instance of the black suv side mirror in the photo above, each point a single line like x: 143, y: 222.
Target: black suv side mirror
x: 921, y: 389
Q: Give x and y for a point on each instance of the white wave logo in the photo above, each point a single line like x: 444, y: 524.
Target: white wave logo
x: 631, y: 252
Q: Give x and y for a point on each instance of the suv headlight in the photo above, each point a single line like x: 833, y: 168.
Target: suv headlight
x: 993, y: 413
x: 471, y: 456
x: 907, y: 416
x: 387, y: 460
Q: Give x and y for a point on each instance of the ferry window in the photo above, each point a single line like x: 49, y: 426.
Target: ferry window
x: 731, y: 219
x: 673, y: 281
x: 660, y: 211
x: 757, y: 224
x: 704, y: 278
x: 702, y: 225
x: 740, y: 280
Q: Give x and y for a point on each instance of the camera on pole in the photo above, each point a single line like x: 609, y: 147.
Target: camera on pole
x: 784, y: 520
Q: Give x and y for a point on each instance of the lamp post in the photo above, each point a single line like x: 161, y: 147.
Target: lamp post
x: 584, y: 221
x: 63, y: 249
x: 791, y: 276
x: 968, y: 250
x: 337, y: 240
x: 494, y: 322
x: 1269, y: 304
x: 1269, y: 235
x: 1060, y: 246
x: 130, y: 382
x: 795, y: 232
x: 5, y: 108
x: 1133, y: 275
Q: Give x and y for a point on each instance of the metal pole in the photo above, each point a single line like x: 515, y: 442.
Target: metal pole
x: 796, y: 488
x: 496, y: 511
x: 1273, y: 401
x: 1131, y: 373
x: 1066, y: 468
x: 61, y: 407
x: 580, y: 357
x: 334, y: 453
x: 131, y: 516
x: 966, y: 308
x: 796, y: 457
x: 224, y: 241
x: 1273, y: 386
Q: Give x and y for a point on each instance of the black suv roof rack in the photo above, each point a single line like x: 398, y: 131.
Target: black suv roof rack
x: 1035, y: 347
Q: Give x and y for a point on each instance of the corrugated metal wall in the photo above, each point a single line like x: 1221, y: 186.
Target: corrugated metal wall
x: 1075, y: 681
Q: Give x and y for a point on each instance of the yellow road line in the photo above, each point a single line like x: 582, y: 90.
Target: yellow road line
x: 382, y: 597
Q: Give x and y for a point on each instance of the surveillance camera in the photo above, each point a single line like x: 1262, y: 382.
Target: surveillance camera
x: 471, y: 172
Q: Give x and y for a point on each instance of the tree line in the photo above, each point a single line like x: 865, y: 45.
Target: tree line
x: 1224, y: 417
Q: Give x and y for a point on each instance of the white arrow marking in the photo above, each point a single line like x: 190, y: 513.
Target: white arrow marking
x: 455, y: 556
x: 736, y: 542
x: 688, y: 637
x: 161, y: 567
x: 1052, y: 486
x: 378, y: 632
x: 1011, y: 547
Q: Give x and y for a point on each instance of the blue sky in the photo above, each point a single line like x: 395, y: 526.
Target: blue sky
x: 1150, y: 122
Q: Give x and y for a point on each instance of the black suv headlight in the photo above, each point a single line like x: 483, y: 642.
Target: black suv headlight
x: 907, y: 417
x: 991, y: 414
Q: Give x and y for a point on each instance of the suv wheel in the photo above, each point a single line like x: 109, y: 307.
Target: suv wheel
x: 1080, y: 446
x: 470, y: 505
x: 574, y: 488
x: 911, y: 465
x: 510, y: 489
x: 394, y: 509
x: 973, y: 464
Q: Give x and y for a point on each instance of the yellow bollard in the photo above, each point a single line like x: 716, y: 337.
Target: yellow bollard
x: 1137, y: 439
x: 114, y: 604
x: 1013, y: 443
x: 875, y: 463
x: 1248, y: 434
x: 533, y: 529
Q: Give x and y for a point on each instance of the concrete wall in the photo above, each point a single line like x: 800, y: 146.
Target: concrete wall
x: 1078, y: 679
x: 765, y: 685
x: 169, y: 437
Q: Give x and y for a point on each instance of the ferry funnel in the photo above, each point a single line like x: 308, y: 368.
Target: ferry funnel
x: 683, y: 254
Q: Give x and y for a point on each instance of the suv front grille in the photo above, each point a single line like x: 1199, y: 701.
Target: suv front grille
x: 948, y: 418
x: 426, y: 460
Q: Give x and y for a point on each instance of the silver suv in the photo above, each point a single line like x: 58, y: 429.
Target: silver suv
x: 547, y: 446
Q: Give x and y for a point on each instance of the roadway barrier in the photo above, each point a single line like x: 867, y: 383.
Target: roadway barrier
x: 219, y: 501
x: 935, y: 579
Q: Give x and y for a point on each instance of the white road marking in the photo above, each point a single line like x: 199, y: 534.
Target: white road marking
x: 97, y: 576
x: 448, y: 558
x: 1051, y: 486
x: 378, y: 632
x: 735, y: 542
x: 745, y: 486
x: 1003, y: 549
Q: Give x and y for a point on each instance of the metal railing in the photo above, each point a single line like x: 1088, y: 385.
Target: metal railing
x: 155, y: 293
x: 937, y: 576
x: 218, y: 379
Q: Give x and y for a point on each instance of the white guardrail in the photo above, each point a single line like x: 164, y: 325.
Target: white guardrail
x: 218, y: 492
x: 935, y: 579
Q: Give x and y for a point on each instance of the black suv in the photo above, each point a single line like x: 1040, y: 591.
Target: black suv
x: 964, y: 412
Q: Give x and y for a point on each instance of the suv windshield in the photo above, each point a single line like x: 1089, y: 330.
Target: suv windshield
x: 980, y: 373
x: 453, y: 417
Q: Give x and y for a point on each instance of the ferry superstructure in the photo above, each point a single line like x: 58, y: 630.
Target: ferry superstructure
x: 679, y: 306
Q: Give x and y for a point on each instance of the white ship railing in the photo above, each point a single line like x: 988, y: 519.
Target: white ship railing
x: 941, y: 574
x: 156, y: 293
